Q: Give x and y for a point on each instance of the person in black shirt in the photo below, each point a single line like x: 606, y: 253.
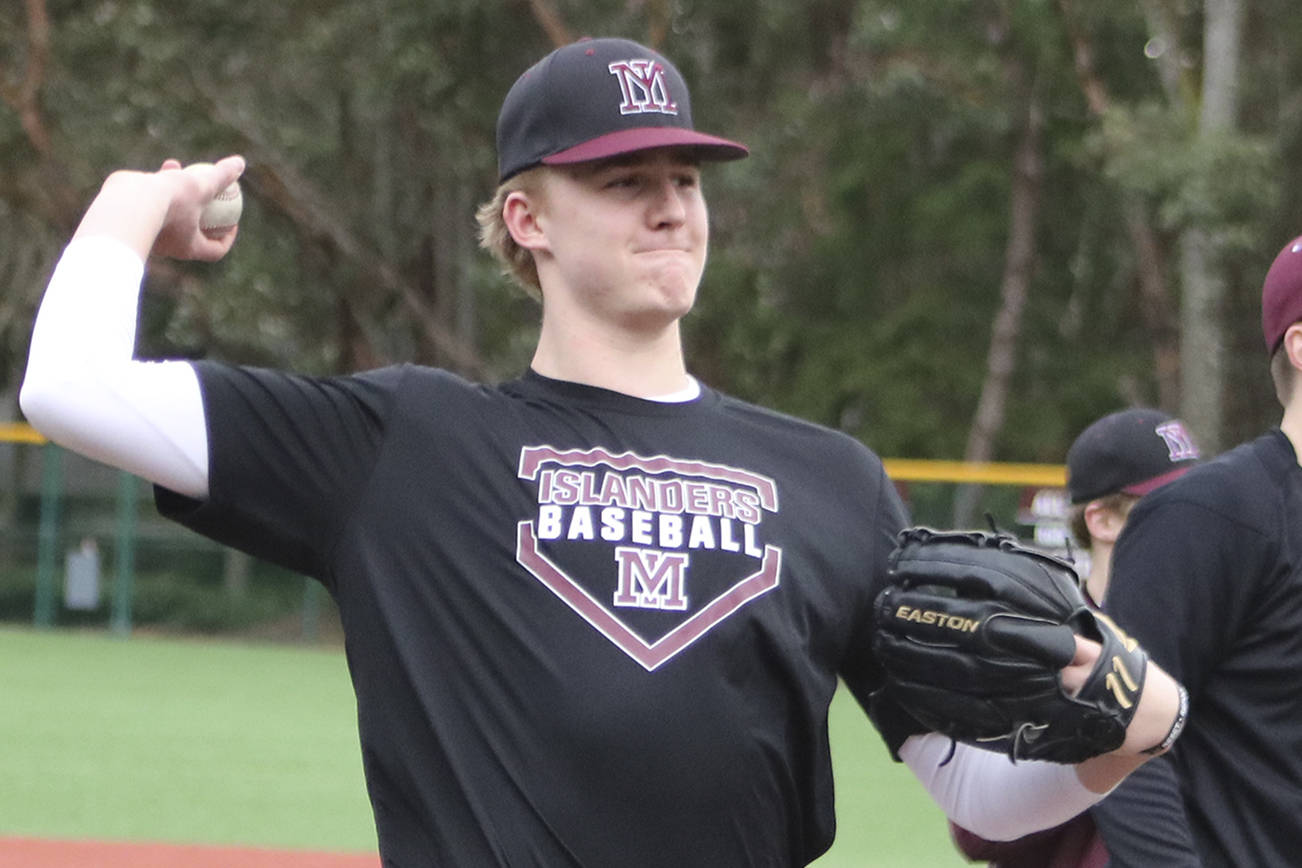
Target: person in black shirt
x: 594, y: 616
x: 1207, y: 575
x: 1114, y: 462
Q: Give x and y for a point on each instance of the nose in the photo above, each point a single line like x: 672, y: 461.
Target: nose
x: 667, y: 206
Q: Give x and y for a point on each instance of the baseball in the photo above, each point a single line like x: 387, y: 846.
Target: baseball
x: 221, y: 214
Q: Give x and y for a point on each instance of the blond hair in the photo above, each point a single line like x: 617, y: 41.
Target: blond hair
x: 517, y: 263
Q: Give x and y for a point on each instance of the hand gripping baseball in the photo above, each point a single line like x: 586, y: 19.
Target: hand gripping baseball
x: 972, y: 634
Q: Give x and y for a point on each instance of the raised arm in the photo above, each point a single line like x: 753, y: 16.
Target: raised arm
x: 83, y: 388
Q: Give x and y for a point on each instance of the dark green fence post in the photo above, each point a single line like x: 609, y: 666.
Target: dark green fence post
x: 47, y: 541
x: 312, y: 591
x: 123, y: 585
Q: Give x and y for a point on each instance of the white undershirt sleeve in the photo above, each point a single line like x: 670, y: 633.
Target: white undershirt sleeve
x: 985, y: 793
x: 84, y: 390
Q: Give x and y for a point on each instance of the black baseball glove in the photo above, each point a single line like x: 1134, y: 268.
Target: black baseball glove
x: 972, y: 633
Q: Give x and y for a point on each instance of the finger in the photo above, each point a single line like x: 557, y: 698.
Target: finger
x: 170, y: 163
x: 1087, y: 651
x: 212, y: 178
x: 1083, y: 660
x: 230, y: 168
x: 1051, y: 644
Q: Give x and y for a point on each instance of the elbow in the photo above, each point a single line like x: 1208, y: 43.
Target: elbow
x: 45, y: 401
x: 997, y: 830
x: 37, y: 402
x: 982, y: 792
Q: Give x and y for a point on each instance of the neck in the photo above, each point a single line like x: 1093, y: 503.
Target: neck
x: 1291, y: 425
x: 641, y: 364
x: 1097, y: 581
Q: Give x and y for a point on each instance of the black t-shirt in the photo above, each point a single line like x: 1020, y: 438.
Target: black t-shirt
x: 1207, y: 575
x: 583, y: 628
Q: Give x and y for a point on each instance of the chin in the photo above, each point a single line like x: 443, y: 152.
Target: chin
x: 677, y: 286
x: 678, y: 301
x: 662, y: 308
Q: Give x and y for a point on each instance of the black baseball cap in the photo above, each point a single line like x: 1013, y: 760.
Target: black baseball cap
x: 1131, y: 451
x: 598, y: 98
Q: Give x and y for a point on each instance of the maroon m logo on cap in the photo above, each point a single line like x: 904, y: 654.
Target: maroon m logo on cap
x: 1178, y: 442
x: 643, y: 88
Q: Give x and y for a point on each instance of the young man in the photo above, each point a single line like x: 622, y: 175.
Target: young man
x: 1208, y: 577
x: 594, y: 616
x: 1112, y: 464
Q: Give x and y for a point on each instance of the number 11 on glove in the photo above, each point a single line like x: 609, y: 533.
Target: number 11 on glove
x: 972, y: 633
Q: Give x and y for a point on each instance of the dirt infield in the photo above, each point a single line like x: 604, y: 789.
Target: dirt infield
x: 36, y: 853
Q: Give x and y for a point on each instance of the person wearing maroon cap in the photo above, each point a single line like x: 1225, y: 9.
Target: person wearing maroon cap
x: 595, y: 615
x: 1207, y: 575
x: 1112, y: 464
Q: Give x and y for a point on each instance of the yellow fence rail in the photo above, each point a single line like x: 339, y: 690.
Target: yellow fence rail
x: 900, y: 469
x: 19, y: 432
x: 990, y: 473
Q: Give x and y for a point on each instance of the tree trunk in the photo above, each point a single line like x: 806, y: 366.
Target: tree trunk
x: 1201, y: 273
x: 1202, y: 349
x: 1019, y: 261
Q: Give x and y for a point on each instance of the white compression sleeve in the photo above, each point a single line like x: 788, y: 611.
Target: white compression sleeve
x: 84, y: 390
x: 984, y: 793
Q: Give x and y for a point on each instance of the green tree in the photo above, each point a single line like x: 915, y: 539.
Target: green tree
x: 861, y: 256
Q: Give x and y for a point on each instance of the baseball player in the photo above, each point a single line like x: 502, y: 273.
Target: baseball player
x: 1112, y: 464
x: 595, y: 615
x: 1208, y: 576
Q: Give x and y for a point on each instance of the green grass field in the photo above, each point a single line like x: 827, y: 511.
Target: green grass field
x: 221, y: 743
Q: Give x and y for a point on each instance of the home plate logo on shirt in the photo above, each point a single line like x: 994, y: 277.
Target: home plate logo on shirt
x: 652, y: 552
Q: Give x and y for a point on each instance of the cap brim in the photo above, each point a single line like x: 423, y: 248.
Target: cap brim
x: 642, y: 138
x: 1142, y: 488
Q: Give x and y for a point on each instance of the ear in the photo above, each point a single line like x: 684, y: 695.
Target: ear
x: 1104, y: 524
x: 522, y: 214
x: 1293, y: 345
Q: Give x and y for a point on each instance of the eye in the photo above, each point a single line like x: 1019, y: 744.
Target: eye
x: 623, y: 181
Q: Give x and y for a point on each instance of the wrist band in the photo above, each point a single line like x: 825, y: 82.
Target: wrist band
x: 1181, y: 717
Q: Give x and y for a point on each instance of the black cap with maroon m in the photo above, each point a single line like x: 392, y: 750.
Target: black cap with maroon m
x: 1132, y: 451
x: 598, y: 98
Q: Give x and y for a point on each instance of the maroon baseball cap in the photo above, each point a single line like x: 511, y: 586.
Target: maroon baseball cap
x: 598, y: 98
x: 1131, y: 452
x: 1281, y: 294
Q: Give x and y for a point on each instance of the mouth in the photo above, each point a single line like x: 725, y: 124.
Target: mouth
x: 665, y: 251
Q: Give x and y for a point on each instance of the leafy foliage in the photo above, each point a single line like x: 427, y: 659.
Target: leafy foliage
x: 857, y: 255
